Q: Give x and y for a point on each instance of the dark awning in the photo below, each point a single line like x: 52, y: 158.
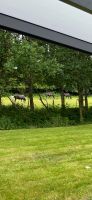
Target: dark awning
x: 52, y: 20
x: 43, y: 33
x: 85, y: 5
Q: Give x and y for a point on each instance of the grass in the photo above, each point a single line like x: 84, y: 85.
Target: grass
x: 69, y: 102
x: 46, y: 164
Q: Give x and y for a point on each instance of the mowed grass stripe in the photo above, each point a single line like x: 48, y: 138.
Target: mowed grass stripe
x: 46, y: 164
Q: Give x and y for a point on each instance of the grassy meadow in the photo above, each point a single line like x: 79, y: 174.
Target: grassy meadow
x: 46, y: 164
x: 72, y: 103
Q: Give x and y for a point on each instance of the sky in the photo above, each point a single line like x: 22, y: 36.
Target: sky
x: 51, y: 14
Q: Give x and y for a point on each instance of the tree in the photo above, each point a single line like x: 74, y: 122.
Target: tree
x: 29, y: 57
x: 80, y: 73
x: 5, y: 54
x: 71, y: 70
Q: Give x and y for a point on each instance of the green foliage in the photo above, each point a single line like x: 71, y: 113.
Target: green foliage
x: 14, y: 117
x: 29, y: 58
x: 5, y: 54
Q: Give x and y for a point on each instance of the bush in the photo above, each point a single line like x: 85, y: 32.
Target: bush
x: 5, y: 123
x: 12, y: 117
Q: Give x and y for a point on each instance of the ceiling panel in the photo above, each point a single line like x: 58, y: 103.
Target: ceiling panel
x: 49, y: 19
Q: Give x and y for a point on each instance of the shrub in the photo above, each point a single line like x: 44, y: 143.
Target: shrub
x: 12, y: 117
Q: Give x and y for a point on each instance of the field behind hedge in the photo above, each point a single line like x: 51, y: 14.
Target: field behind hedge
x: 72, y: 103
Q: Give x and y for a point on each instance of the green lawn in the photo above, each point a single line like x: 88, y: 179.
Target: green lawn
x: 46, y: 164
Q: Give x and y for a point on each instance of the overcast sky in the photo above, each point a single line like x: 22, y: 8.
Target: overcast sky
x: 51, y: 14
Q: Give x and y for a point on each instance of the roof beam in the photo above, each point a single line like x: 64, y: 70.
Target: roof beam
x: 85, y: 5
x: 20, y: 26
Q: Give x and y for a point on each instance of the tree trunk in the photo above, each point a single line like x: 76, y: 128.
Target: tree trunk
x: 0, y: 100
x: 31, y: 101
x: 12, y: 101
x: 86, y: 101
x: 46, y: 106
x: 53, y: 102
x: 62, y: 99
x: 81, y: 105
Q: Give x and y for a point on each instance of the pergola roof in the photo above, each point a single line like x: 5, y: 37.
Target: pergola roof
x: 49, y: 19
x: 85, y: 5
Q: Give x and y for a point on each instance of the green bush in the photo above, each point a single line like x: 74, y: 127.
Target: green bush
x: 12, y: 117
x: 5, y: 123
